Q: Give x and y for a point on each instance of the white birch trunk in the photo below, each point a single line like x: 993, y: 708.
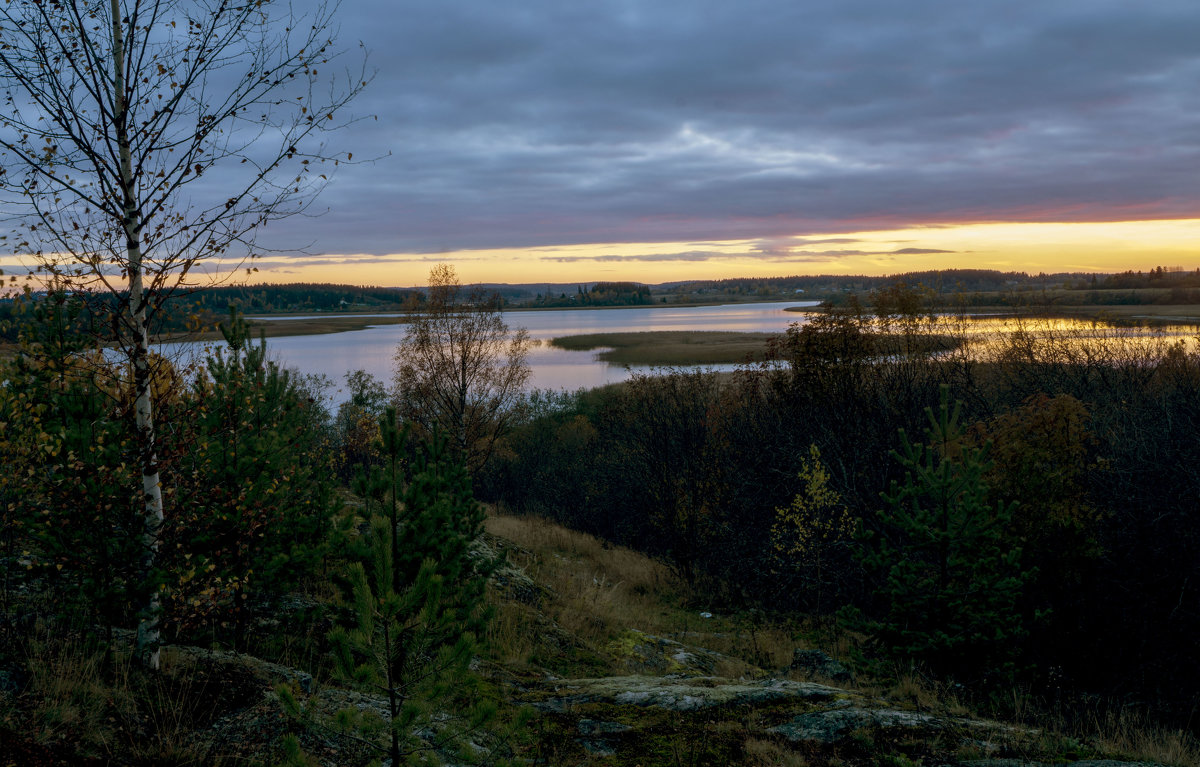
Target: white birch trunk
x: 148, y: 628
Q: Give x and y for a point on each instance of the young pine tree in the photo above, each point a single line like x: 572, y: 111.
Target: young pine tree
x: 256, y: 469
x: 947, y: 577
x: 418, y: 602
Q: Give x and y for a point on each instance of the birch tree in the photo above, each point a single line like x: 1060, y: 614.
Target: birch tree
x: 142, y: 143
x: 460, y: 369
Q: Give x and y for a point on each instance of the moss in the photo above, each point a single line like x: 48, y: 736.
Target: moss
x: 626, y: 643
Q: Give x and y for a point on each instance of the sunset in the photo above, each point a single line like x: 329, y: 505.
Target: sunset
x: 665, y: 141
x: 1028, y: 247
x: 770, y: 383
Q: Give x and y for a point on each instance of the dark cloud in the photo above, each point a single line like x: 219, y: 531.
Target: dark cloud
x: 797, y: 255
x: 694, y: 255
x: 543, y: 122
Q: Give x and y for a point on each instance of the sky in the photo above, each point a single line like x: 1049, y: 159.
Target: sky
x: 655, y: 140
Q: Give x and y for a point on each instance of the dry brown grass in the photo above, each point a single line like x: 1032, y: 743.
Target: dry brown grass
x: 1130, y: 734
x: 596, y: 590
x: 1146, y: 742
x: 761, y: 752
x: 102, y: 705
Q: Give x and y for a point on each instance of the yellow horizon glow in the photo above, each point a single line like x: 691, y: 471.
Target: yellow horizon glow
x: 1021, y: 247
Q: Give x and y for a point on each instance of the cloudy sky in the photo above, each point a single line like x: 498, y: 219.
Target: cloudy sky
x: 543, y: 140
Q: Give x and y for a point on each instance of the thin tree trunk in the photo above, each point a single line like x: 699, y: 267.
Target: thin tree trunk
x: 148, y: 625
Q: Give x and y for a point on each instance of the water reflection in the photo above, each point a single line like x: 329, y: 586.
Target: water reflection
x: 372, y: 349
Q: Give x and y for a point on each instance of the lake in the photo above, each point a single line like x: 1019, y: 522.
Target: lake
x: 372, y: 349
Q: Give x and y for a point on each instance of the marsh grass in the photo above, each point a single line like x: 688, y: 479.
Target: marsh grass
x: 671, y: 347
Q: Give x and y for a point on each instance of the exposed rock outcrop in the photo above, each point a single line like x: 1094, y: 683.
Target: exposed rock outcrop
x: 642, y: 653
x: 830, y: 726
x: 813, y: 663
x: 681, y: 693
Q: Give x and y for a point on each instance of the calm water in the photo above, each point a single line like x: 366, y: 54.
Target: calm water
x: 335, y: 354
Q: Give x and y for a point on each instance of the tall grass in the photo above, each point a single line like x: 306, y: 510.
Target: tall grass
x: 98, y: 702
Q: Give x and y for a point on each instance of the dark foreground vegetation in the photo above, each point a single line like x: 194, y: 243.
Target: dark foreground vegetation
x: 1023, y: 514
x: 1009, y: 531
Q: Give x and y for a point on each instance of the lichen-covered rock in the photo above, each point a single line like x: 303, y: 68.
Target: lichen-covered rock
x: 272, y: 673
x: 680, y: 693
x: 1025, y: 763
x: 831, y: 726
x: 812, y: 663
x: 641, y: 653
x: 508, y: 578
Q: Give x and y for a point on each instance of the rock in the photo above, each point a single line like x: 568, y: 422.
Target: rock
x: 830, y: 726
x: 1024, y: 763
x: 642, y: 653
x: 812, y: 663
x: 273, y: 673
x: 598, y: 747
x: 517, y: 586
x: 330, y: 700
x: 677, y: 693
x: 509, y: 578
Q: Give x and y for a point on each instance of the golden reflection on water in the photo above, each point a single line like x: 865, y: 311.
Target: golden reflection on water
x: 1061, y: 339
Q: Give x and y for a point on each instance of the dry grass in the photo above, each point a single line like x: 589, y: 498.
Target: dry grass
x: 1141, y: 740
x: 81, y: 698
x: 67, y: 694
x: 595, y: 591
x: 1128, y: 733
x: 769, y: 753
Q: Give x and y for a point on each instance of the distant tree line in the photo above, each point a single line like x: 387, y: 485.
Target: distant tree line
x: 301, y: 297
x: 966, y: 288
x: 598, y: 294
x: 202, y: 309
